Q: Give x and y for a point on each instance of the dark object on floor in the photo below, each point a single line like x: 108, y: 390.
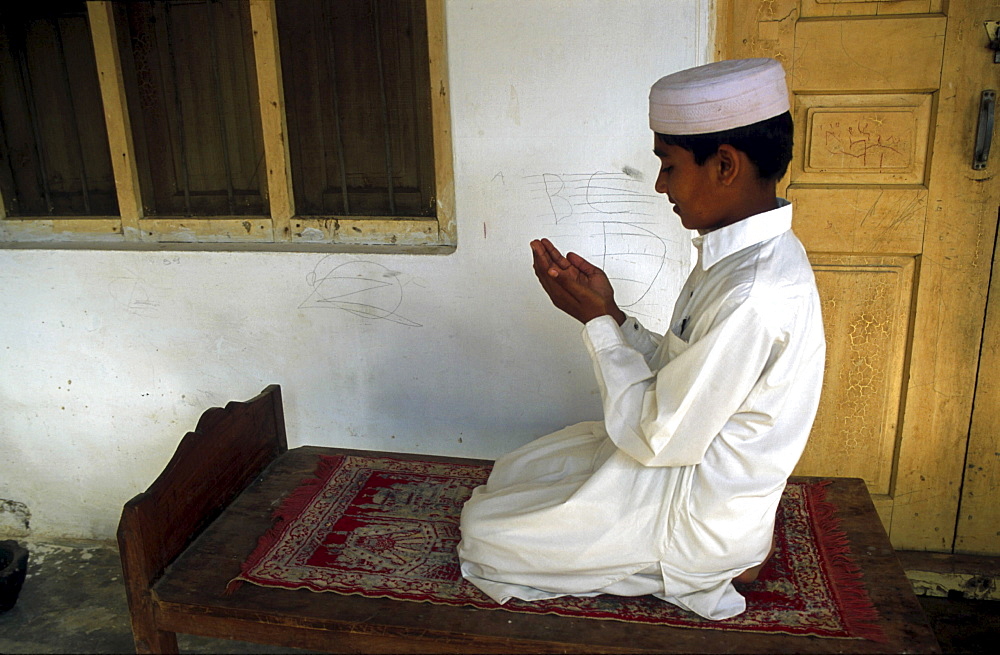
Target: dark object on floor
x: 13, y: 566
x: 176, y: 582
x: 962, y: 625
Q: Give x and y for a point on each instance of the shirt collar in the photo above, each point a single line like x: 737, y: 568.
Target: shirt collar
x: 719, y: 244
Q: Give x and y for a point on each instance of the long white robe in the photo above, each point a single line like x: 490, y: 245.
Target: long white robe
x: 675, y: 493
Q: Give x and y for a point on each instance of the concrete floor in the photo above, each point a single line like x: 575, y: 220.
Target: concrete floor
x: 73, y: 601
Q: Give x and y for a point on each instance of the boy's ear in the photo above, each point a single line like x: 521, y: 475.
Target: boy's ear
x: 728, y: 164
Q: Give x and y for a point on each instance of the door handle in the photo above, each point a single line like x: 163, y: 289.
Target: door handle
x: 984, y: 133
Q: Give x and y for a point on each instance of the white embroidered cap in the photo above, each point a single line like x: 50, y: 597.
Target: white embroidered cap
x: 718, y: 96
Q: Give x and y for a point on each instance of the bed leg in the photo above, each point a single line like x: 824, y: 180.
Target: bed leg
x: 156, y: 641
x: 148, y: 639
x: 140, y: 567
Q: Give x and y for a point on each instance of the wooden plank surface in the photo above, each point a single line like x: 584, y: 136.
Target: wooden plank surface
x: 190, y: 598
x: 979, y: 514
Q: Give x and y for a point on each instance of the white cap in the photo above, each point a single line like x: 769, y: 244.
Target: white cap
x: 718, y: 96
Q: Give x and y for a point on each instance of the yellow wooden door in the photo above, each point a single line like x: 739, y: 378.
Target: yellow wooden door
x: 900, y: 230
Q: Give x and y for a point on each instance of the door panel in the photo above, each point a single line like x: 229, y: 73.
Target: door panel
x: 858, y: 139
x: 816, y: 8
x: 860, y: 219
x: 856, y: 424
x: 868, y: 54
x: 979, y: 517
x: 899, y: 229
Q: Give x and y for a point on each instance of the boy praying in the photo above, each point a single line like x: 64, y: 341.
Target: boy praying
x: 674, y: 494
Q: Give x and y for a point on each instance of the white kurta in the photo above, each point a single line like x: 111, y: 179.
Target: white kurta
x: 675, y: 493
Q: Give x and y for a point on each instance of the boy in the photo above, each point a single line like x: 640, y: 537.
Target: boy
x: 675, y: 493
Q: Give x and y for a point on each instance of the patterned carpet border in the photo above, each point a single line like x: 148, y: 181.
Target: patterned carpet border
x: 387, y: 528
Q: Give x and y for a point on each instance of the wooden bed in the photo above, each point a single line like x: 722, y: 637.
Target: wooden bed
x: 184, y: 538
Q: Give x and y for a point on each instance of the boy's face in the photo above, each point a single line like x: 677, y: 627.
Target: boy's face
x: 687, y: 185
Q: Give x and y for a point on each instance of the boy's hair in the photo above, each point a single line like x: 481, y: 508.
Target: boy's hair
x: 768, y: 144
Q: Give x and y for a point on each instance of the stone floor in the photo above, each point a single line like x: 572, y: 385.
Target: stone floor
x: 73, y: 601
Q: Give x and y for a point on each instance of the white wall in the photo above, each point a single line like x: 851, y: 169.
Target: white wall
x: 108, y: 358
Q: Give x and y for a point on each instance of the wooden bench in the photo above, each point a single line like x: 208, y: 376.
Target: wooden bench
x: 184, y: 539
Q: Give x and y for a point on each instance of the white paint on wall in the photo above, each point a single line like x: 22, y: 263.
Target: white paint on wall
x: 108, y: 358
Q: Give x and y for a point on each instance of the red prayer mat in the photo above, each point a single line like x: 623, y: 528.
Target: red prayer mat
x: 385, y: 527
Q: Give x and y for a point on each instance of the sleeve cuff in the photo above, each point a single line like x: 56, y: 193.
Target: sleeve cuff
x: 603, y: 332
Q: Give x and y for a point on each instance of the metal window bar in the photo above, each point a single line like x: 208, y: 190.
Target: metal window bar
x: 220, y: 112
x: 64, y: 69
x: 25, y: 76
x: 374, y: 14
x: 423, y: 175
x: 13, y: 202
x: 179, y: 116
x: 331, y: 63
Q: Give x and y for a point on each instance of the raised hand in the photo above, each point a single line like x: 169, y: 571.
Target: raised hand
x: 574, y: 285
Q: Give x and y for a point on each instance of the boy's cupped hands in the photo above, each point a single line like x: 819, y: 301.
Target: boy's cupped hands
x: 574, y: 285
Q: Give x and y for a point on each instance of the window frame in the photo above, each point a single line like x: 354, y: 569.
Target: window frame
x: 282, y: 230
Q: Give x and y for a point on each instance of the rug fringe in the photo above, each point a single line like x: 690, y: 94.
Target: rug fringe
x: 293, y: 504
x: 859, y: 612
x: 299, y: 499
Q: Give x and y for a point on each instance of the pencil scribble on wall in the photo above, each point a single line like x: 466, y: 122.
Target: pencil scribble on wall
x: 133, y: 293
x: 362, y: 288
x: 613, y: 214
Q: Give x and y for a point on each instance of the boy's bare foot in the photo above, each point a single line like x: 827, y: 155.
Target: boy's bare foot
x: 751, y: 574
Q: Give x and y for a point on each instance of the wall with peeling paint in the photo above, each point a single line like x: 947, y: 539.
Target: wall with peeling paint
x: 108, y: 358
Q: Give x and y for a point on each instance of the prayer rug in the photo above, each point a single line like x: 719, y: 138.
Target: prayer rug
x: 385, y: 527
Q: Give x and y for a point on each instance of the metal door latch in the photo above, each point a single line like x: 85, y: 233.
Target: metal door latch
x: 993, y: 33
x: 984, y: 133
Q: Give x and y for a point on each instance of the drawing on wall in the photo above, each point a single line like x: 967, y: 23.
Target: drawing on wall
x: 132, y: 292
x: 362, y: 288
x: 614, y: 221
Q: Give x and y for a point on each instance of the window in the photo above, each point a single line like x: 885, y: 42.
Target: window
x: 289, y: 125
x: 188, y: 69
x: 54, y: 148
